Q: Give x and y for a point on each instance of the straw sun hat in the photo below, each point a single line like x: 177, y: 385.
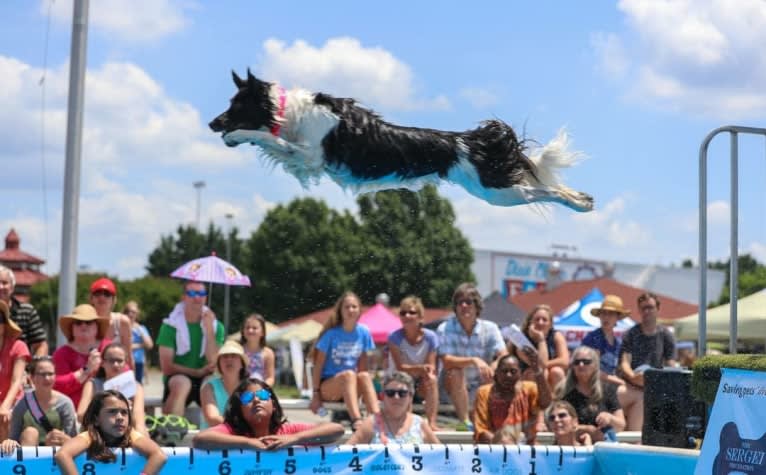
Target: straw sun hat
x: 611, y: 303
x: 12, y: 330
x: 83, y: 313
x: 231, y: 347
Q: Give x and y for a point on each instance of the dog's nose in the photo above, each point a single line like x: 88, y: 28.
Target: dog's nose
x: 218, y: 124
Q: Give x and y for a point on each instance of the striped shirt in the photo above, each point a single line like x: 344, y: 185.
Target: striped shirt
x: 26, y: 317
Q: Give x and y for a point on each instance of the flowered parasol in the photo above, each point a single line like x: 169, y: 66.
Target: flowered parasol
x: 211, y: 269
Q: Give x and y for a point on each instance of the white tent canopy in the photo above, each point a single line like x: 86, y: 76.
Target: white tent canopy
x: 751, y: 321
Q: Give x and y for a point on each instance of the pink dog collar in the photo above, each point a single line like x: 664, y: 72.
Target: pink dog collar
x: 280, y: 112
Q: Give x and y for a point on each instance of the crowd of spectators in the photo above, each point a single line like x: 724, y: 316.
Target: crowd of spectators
x: 501, y: 392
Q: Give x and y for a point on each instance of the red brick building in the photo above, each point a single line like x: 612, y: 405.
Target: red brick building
x: 25, y: 267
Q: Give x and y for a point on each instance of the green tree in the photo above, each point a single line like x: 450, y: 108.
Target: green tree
x: 301, y: 258
x: 751, y: 279
x: 411, y: 246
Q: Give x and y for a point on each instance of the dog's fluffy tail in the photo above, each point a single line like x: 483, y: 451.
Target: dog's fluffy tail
x: 553, y: 156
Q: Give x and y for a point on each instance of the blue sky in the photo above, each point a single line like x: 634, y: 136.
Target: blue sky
x: 637, y: 83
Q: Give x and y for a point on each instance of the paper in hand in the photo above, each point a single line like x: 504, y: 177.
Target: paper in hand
x: 124, y: 383
x: 517, y: 337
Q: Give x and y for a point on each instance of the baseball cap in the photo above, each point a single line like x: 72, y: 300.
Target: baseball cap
x: 103, y: 284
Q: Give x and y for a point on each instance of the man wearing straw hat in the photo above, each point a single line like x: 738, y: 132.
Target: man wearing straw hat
x: 646, y: 345
x: 604, y: 340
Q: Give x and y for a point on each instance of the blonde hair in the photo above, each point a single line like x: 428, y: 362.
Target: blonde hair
x: 413, y: 301
x: 335, y: 319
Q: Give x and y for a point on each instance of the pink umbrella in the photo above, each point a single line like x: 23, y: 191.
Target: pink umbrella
x: 211, y: 269
x: 381, y: 322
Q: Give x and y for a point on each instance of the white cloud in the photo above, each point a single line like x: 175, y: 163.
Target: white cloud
x: 130, y: 20
x: 691, y: 56
x: 344, y: 67
x: 611, y: 53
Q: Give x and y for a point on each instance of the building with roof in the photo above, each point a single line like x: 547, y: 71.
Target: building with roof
x: 568, y: 292
x: 515, y: 273
x: 25, y: 267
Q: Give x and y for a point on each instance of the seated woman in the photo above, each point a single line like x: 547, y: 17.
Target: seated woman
x: 14, y: 355
x: 395, y: 423
x: 538, y: 327
x: 114, y: 364
x: 598, y: 410
x: 506, y: 411
x: 108, y: 422
x: 232, y: 369
x: 254, y: 419
x: 562, y: 421
x: 78, y: 360
x: 43, y: 416
x: 412, y: 349
x: 341, y: 361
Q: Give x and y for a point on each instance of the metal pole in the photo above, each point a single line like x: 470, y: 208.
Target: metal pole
x: 227, y: 288
x: 198, y: 185
x: 733, y: 236
x: 734, y: 243
x: 71, y: 200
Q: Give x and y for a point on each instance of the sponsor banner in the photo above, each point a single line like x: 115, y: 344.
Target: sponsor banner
x: 345, y: 459
x: 735, y: 439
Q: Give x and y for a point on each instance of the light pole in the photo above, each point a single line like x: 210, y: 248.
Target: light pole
x: 198, y: 185
x: 229, y: 217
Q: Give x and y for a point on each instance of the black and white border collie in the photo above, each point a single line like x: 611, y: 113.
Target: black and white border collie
x: 312, y: 135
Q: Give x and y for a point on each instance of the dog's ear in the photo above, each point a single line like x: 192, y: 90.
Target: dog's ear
x: 251, y: 80
x: 238, y: 81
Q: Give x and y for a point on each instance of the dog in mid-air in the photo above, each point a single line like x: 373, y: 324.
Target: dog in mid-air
x: 315, y: 134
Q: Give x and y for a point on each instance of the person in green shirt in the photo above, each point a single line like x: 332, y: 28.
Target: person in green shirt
x: 188, y: 340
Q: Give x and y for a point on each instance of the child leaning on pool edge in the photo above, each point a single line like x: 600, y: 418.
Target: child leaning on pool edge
x: 108, y: 422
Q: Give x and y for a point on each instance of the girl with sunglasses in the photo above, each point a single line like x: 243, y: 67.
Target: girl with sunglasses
x: 395, y: 423
x: 562, y: 421
x: 595, y: 401
x: 412, y: 349
x: 254, y: 419
x: 108, y: 422
x: 113, y: 364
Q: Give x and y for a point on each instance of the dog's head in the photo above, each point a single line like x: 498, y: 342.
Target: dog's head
x: 251, y: 108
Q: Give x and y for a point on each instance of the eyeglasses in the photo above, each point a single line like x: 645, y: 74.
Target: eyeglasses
x: 582, y: 361
x: 402, y: 393
x: 83, y: 322
x: 102, y: 293
x: 560, y: 415
x: 196, y: 293
x: 114, y: 360
x: 262, y: 394
x: 647, y: 308
x: 467, y: 302
x: 404, y: 313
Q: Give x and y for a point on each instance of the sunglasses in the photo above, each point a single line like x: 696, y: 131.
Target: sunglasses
x: 262, y: 394
x: 196, y: 293
x: 83, y: 322
x: 102, y: 293
x: 402, y: 393
x: 404, y: 313
x: 582, y: 361
x: 467, y: 302
x: 560, y: 415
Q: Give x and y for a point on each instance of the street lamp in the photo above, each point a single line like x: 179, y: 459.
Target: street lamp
x: 198, y: 185
x: 229, y: 218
